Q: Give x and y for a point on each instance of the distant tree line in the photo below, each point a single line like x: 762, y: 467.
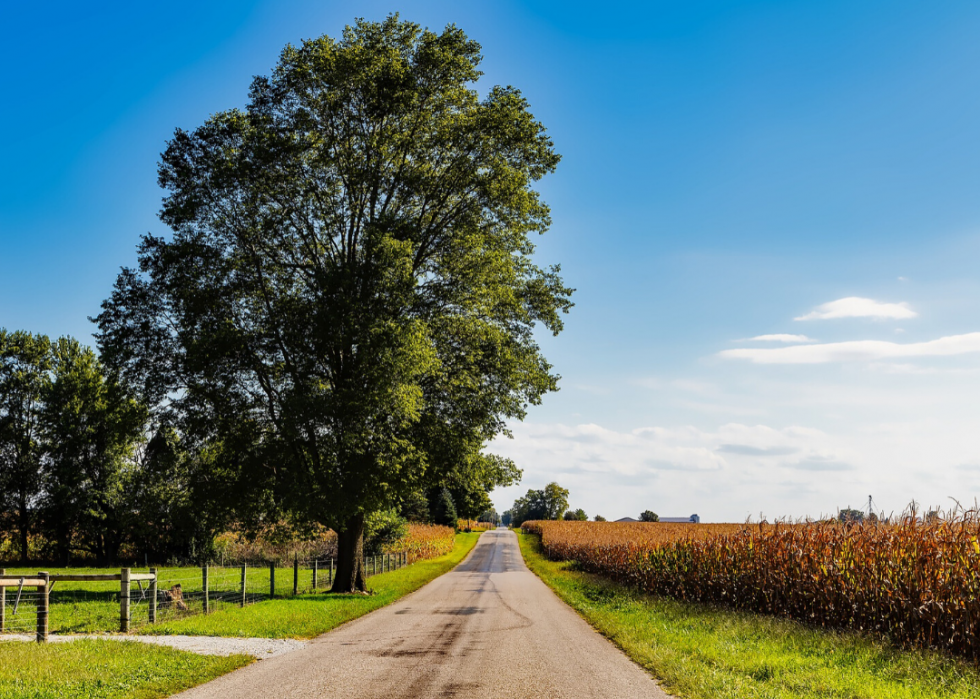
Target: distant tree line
x: 551, y: 502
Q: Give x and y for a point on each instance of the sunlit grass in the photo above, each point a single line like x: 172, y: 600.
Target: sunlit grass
x: 103, y: 669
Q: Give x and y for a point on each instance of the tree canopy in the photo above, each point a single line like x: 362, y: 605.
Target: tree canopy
x: 68, y: 441
x: 25, y: 365
x: 344, y: 314
x: 549, y: 503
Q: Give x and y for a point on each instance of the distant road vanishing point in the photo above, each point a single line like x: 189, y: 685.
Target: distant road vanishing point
x: 488, y: 629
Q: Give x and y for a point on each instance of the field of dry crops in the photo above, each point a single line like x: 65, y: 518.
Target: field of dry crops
x: 914, y: 583
x: 424, y: 541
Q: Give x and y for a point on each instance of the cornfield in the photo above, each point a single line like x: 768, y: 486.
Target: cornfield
x: 424, y: 541
x: 914, y: 583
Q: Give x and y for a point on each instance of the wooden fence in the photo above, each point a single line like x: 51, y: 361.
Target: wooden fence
x: 43, y: 583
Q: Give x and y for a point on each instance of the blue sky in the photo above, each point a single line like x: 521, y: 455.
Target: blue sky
x: 728, y: 168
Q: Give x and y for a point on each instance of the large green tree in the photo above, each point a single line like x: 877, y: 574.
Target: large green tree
x: 25, y: 366
x: 344, y: 314
x: 547, y: 503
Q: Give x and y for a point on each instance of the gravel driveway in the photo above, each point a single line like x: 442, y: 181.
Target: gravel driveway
x: 261, y: 648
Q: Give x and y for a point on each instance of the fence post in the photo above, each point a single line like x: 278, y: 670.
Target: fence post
x: 330, y: 582
x: 316, y: 563
x: 3, y: 603
x: 272, y: 580
x: 204, y: 582
x: 124, y: 600
x: 295, y: 574
x: 243, y: 584
x: 42, y: 609
x: 153, y: 596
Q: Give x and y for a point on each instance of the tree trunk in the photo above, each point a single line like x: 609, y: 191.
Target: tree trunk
x: 350, y: 557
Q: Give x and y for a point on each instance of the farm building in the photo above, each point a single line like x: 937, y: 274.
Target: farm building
x: 693, y: 519
x: 627, y: 519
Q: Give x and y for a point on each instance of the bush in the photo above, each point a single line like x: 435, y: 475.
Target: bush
x: 382, y: 530
x: 444, y: 511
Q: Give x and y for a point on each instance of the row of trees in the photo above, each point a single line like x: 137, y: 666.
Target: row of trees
x: 71, y: 466
x: 87, y: 472
x: 344, y: 314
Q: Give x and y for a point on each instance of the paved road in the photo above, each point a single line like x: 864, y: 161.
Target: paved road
x: 489, y: 629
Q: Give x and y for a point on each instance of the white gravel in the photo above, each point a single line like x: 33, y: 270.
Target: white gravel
x: 260, y: 648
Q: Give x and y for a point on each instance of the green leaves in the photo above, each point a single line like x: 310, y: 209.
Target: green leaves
x: 67, y: 439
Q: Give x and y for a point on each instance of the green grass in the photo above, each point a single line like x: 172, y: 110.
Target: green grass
x: 306, y: 616
x: 700, y: 652
x: 103, y: 669
x: 93, y: 607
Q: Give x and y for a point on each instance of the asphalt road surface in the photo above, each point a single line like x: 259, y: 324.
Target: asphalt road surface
x: 490, y: 629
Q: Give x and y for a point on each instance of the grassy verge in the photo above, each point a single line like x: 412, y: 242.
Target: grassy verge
x: 701, y: 652
x: 306, y: 616
x: 104, y: 669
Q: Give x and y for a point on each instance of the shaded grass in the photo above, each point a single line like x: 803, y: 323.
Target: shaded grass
x: 703, y: 652
x: 103, y: 669
x: 306, y: 616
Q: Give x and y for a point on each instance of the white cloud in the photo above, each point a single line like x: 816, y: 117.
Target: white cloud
x: 858, y: 350
x: 780, y: 337
x: 857, y: 307
x: 673, y: 470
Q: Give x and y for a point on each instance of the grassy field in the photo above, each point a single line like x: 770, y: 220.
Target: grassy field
x: 93, y: 607
x: 103, y: 669
x: 701, y: 652
x: 306, y: 616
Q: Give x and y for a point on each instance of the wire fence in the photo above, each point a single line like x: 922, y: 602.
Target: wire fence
x: 89, y: 600
x: 21, y: 604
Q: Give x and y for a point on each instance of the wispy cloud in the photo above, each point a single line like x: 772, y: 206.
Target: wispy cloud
x: 779, y: 337
x: 818, y: 464
x: 857, y: 307
x: 748, y: 450
x: 858, y: 350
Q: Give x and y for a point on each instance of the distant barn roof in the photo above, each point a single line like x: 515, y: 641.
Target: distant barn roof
x: 627, y: 519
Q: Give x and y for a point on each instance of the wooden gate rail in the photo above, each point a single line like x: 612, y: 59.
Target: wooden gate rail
x: 40, y: 583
